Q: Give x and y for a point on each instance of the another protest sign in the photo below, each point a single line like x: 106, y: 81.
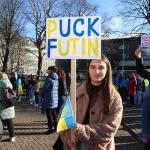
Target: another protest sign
x: 145, y: 46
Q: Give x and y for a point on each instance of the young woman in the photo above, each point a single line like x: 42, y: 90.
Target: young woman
x: 5, y: 83
x: 36, y: 91
x: 99, y: 110
x: 62, y: 90
x: 145, y: 134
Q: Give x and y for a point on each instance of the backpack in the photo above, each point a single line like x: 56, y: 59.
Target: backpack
x: 9, y: 96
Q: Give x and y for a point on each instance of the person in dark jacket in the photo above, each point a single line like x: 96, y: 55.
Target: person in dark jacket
x: 145, y: 134
x: 62, y: 90
x: 49, y: 95
x: 13, y: 81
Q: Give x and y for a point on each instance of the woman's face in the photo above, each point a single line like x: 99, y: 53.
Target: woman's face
x: 97, y: 71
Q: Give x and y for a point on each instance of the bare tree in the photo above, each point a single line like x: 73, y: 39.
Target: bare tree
x: 37, y: 14
x: 137, y: 13
x: 110, y: 48
x: 77, y: 8
x: 19, y: 54
x: 10, y: 27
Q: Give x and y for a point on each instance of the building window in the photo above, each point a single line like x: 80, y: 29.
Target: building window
x: 124, y: 47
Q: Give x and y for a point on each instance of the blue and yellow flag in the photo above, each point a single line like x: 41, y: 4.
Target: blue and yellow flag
x: 19, y: 85
x: 66, y: 120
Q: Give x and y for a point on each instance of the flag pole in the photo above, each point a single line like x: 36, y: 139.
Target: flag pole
x: 73, y: 92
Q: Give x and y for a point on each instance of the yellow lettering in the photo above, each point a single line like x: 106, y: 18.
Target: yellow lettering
x: 52, y: 26
x: 92, y: 47
x: 60, y: 50
x: 83, y: 47
x: 74, y: 41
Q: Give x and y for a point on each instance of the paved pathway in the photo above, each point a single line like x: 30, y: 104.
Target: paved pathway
x: 30, y: 126
x: 128, y: 135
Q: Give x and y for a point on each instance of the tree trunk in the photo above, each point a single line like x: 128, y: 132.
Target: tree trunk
x: 4, y: 68
x: 40, y: 59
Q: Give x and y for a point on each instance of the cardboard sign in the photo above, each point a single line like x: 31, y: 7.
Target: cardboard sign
x: 74, y: 38
x: 145, y: 41
x: 145, y: 46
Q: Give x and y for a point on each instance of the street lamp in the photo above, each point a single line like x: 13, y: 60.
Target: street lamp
x: 123, y: 57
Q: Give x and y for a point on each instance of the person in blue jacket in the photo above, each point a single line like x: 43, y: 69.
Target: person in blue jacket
x: 145, y: 134
x: 49, y: 95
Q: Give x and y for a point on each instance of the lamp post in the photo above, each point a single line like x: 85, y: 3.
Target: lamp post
x: 123, y: 57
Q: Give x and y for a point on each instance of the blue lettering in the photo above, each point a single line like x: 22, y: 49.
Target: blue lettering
x: 50, y: 46
x: 68, y: 31
x: 90, y: 26
x: 75, y: 27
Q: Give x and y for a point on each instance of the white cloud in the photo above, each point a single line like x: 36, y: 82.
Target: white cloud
x: 116, y: 23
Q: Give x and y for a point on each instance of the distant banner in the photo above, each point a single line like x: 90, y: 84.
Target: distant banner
x: 145, y: 46
x: 66, y: 120
x: 145, y: 41
x: 73, y: 37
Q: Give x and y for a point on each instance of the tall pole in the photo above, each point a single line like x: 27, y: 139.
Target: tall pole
x: 123, y: 57
x: 73, y: 93
x: 73, y: 86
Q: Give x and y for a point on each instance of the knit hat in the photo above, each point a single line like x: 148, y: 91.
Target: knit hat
x: 3, y: 76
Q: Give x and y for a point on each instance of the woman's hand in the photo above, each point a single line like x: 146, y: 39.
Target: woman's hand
x: 138, y: 53
x: 144, y: 141
x: 71, y: 141
x: 66, y: 138
x: 74, y: 131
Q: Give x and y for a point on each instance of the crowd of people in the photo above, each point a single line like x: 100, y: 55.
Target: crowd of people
x: 52, y: 95
x: 99, y: 102
x: 131, y: 87
x: 30, y: 84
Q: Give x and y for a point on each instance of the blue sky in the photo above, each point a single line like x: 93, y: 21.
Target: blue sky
x: 104, y: 6
x: 109, y: 7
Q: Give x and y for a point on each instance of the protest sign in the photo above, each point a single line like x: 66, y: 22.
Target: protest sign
x: 145, y: 41
x: 73, y: 38
x: 145, y: 46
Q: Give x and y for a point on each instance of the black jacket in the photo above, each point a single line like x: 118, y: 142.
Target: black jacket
x: 62, y: 90
x: 141, y: 69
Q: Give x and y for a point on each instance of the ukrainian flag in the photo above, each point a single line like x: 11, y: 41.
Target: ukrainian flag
x: 66, y: 120
x: 19, y: 85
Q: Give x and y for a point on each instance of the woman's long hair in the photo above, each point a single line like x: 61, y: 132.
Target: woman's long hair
x: 105, y: 87
x: 61, y: 74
